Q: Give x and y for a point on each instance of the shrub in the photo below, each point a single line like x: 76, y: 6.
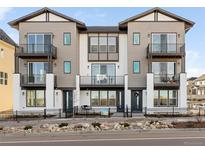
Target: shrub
x: 125, y: 124
x: 63, y: 125
x: 27, y: 127
x: 1, y: 128
x: 96, y: 124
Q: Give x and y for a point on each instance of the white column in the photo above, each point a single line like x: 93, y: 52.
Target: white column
x: 150, y: 90
x: 183, y: 91
x: 16, y: 92
x: 144, y: 100
x: 50, y: 91
x: 127, y: 92
x: 77, y: 96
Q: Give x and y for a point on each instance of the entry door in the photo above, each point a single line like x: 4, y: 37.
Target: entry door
x: 120, y: 101
x: 136, y: 101
x: 68, y: 101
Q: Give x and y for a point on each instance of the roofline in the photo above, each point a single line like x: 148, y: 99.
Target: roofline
x: 38, y: 12
x: 161, y: 11
x: 11, y: 41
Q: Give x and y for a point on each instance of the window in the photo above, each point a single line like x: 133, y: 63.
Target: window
x: 93, y: 44
x: 102, y: 44
x: 164, y: 71
x: 3, y: 78
x: 136, y: 67
x: 39, y: 43
x: 103, y: 73
x: 37, y: 72
x: 35, y: 98
x: 103, y: 98
x: 165, y: 98
x: 112, y: 44
x: 112, y: 98
x: 67, y: 67
x: 95, y: 98
x: 67, y: 38
x: 136, y: 38
x: 164, y: 42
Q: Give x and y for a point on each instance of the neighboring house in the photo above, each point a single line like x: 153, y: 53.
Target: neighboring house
x: 7, y: 52
x: 196, y: 91
x: 63, y: 63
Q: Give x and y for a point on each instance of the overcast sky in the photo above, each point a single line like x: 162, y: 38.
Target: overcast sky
x: 195, y: 43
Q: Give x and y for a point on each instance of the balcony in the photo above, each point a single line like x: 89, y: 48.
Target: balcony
x: 166, y: 80
x: 102, y: 81
x: 103, y: 56
x: 36, y: 80
x: 36, y: 51
x: 165, y: 50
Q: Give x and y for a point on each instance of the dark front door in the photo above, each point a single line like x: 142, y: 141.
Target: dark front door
x: 68, y: 101
x: 120, y: 101
x: 136, y: 101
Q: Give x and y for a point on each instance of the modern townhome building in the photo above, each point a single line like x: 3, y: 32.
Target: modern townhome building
x: 62, y: 63
x: 7, y: 52
x: 196, y: 91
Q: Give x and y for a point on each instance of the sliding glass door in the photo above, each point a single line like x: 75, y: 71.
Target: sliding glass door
x: 39, y: 43
x: 164, y: 43
x: 37, y: 72
x: 103, y: 73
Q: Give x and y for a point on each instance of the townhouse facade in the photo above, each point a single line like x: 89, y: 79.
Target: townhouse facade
x: 139, y: 64
x: 7, y: 52
x: 196, y: 91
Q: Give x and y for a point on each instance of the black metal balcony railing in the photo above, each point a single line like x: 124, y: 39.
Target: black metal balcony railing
x: 102, y: 80
x: 166, y: 79
x: 36, y: 79
x: 166, y: 48
x: 37, y: 49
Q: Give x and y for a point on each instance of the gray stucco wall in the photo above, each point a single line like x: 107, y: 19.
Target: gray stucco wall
x: 139, y: 52
x: 64, y: 52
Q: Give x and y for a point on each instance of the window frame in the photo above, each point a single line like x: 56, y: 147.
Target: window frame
x: 35, y: 97
x: 64, y: 34
x: 168, y: 103
x: 139, y: 67
x: 133, y: 38
x: 65, y: 67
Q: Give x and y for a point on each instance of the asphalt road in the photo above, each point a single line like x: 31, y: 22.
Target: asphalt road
x: 123, y: 138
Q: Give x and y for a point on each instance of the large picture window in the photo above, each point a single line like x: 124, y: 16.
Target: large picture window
x: 102, y: 44
x: 165, y: 98
x: 103, y: 98
x: 35, y: 98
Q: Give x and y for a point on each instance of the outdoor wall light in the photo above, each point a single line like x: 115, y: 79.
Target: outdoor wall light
x: 56, y: 93
x: 118, y: 66
x: 88, y: 66
x: 148, y: 35
x: 179, y: 35
x: 87, y: 93
x: 55, y: 64
x: 25, y: 64
x: 23, y: 93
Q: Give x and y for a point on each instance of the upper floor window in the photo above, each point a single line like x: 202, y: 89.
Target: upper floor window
x: 67, y: 67
x: 136, y: 38
x: 102, y: 44
x: 136, y: 67
x: 67, y: 38
x: 38, y: 43
x: 164, y: 42
x: 3, y: 78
